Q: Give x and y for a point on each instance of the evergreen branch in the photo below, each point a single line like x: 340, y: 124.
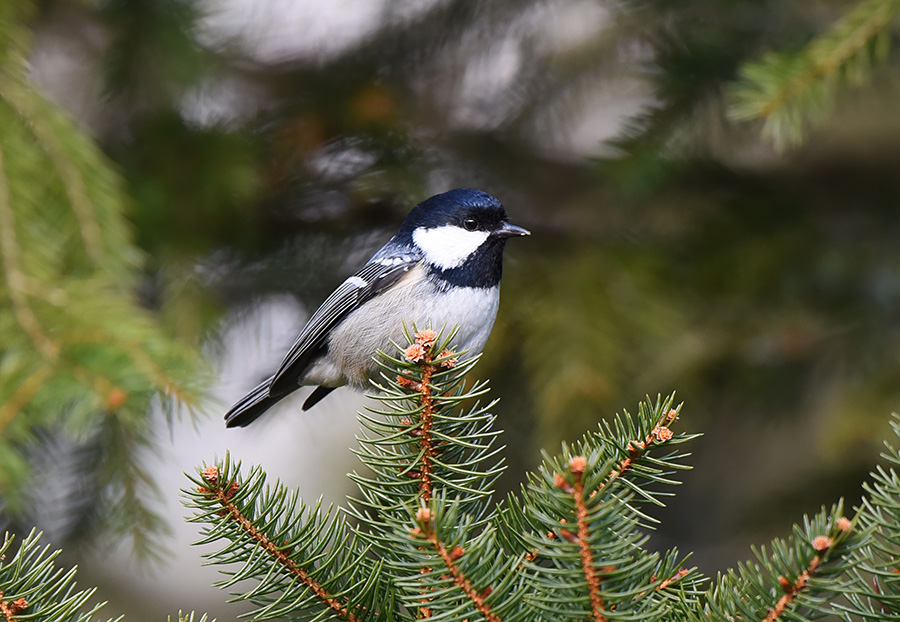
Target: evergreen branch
x: 25, y: 392
x: 660, y: 434
x: 878, y: 575
x: 32, y: 587
x: 808, y: 571
x: 577, y: 466
x: 579, y: 524
x: 72, y: 181
x: 417, y: 444
x: 421, y: 352
x: 15, y: 277
x: 304, y: 561
x: 788, y: 89
x: 424, y: 519
x: 224, y: 496
x: 793, y: 588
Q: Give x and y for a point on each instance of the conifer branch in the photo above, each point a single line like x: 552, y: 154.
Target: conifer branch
x: 25, y: 391
x: 33, y: 587
x: 420, y: 352
x: 577, y: 466
x: 224, y: 497
x: 15, y: 277
x: 789, y: 89
x: 423, y: 517
x: 72, y: 181
x: 637, y: 448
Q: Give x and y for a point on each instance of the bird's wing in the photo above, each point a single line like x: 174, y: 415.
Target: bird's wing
x: 376, y: 276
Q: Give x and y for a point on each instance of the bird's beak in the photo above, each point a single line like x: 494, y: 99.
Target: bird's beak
x: 508, y: 230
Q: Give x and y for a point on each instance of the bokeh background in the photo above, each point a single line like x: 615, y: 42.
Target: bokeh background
x: 261, y: 150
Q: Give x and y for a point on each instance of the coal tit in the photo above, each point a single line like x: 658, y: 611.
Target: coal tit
x: 441, y: 270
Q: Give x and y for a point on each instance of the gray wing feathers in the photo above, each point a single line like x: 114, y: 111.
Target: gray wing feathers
x: 373, y: 278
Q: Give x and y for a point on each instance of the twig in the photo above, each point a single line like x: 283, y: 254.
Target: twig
x: 821, y: 544
x: 577, y: 465
x: 210, y: 475
x: 449, y: 558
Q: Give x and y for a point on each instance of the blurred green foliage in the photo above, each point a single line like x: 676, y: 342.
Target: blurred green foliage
x: 683, y: 253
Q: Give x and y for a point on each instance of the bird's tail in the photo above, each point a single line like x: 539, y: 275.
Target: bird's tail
x: 248, y: 409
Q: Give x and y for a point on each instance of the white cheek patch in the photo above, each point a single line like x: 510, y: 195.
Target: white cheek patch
x: 448, y: 246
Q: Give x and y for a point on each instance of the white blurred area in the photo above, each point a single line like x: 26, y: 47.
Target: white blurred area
x: 309, y: 451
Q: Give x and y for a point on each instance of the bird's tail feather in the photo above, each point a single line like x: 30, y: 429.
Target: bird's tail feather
x: 248, y: 409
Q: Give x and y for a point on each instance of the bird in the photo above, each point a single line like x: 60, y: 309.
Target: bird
x: 441, y: 270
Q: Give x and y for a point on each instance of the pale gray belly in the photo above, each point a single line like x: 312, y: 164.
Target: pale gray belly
x: 413, y: 300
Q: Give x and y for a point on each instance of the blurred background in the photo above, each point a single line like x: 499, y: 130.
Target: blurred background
x: 712, y: 189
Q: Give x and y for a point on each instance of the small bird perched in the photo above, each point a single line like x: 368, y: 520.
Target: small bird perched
x: 441, y: 270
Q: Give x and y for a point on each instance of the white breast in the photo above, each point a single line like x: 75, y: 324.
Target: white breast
x: 414, y: 300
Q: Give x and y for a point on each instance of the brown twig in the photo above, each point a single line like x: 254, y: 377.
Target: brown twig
x: 420, y: 352
x: 577, y: 465
x: 660, y: 434
x: 449, y: 558
x: 821, y: 544
x: 210, y: 475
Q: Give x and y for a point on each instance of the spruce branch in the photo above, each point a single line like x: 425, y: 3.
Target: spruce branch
x: 578, y: 519
x: 795, y: 578
x: 33, y: 587
x: 79, y: 354
x: 306, y: 562
x: 789, y: 90
x: 877, y: 574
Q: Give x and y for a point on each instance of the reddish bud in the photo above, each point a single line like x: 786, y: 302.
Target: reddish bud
x: 786, y: 586
x: 560, y: 482
x: 457, y: 552
x: 577, y: 465
x: 661, y: 434
x: 423, y: 515
x: 115, y: 399
x: 409, y: 383
x: 568, y: 535
x: 844, y: 523
x: 822, y: 543
x: 414, y: 353
x: 426, y: 338
x: 449, y: 362
x: 211, y: 474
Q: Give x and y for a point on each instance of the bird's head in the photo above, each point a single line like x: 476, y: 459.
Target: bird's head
x: 459, y: 226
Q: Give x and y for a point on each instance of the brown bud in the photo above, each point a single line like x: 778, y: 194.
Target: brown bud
x: 423, y: 515
x: 426, y: 338
x: 822, y: 543
x: 560, y: 482
x: 115, y: 399
x: 577, y: 465
x: 662, y: 434
x: 786, y: 586
x: 211, y: 474
x: 414, y: 353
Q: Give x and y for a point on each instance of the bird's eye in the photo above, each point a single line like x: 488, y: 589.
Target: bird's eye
x: 470, y: 224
